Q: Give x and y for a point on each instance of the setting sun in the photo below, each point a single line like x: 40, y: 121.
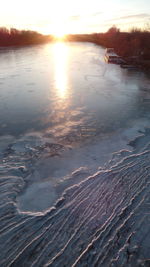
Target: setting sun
x: 58, y: 30
x: 59, y: 25
x: 59, y: 34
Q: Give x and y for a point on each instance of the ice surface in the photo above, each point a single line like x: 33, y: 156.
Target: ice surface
x: 74, y: 184
x: 84, y: 218
x: 38, y: 197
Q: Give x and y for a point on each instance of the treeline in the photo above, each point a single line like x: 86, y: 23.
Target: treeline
x: 80, y: 38
x: 14, y: 37
x: 135, y: 44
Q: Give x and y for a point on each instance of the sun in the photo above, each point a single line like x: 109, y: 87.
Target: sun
x: 59, y: 28
x: 59, y: 35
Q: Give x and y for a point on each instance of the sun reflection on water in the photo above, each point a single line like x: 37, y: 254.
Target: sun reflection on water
x: 60, y: 62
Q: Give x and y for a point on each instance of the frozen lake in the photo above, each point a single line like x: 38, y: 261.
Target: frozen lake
x: 74, y: 158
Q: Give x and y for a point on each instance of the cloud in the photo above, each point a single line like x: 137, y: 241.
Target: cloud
x: 78, y: 17
x: 136, y: 16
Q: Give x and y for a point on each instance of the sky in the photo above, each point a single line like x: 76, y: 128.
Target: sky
x: 74, y: 16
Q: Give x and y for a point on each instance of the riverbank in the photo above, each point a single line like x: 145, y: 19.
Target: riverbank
x: 136, y: 63
x: 133, y: 46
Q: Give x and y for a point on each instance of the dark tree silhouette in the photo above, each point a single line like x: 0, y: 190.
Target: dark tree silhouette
x: 24, y: 37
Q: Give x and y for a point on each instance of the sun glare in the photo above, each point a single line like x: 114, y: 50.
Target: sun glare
x: 60, y: 53
x: 59, y: 34
x: 59, y: 29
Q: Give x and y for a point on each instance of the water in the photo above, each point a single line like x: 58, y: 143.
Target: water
x: 67, y: 90
x: 74, y: 158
